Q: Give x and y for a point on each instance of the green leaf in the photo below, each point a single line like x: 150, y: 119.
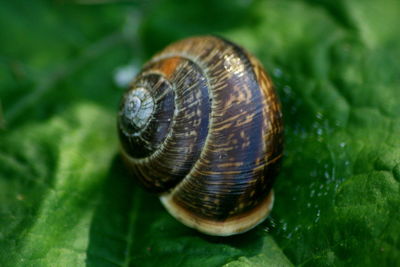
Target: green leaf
x: 51, y: 178
x: 66, y: 198
x: 270, y: 255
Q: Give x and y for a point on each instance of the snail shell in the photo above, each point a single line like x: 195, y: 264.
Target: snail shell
x: 201, y: 126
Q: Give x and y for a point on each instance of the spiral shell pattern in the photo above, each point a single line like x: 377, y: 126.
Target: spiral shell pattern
x: 201, y: 125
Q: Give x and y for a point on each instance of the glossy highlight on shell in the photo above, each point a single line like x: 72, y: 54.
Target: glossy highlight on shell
x: 201, y: 126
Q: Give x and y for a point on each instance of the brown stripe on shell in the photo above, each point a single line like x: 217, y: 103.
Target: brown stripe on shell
x: 272, y: 131
x: 273, y: 125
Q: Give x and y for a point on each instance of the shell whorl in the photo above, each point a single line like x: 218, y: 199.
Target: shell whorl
x: 136, y: 111
x: 202, y: 126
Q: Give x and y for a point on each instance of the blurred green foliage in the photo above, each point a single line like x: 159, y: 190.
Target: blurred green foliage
x: 65, y: 198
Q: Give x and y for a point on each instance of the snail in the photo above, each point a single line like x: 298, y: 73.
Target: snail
x: 201, y: 126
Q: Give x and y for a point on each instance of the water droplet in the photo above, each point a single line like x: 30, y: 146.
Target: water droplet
x: 312, y: 193
x: 287, y: 90
x: 272, y: 222
x: 278, y: 72
x: 124, y: 75
x: 318, y: 216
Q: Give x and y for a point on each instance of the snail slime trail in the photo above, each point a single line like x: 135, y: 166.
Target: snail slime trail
x: 201, y: 126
